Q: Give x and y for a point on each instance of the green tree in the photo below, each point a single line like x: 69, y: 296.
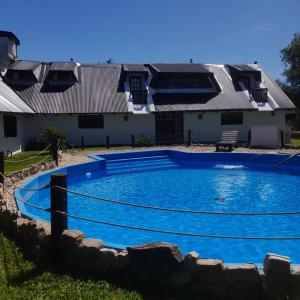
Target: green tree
x: 290, y: 57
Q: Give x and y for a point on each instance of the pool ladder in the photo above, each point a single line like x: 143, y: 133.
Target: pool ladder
x: 285, y: 160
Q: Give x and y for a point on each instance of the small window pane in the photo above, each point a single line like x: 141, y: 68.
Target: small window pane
x: 135, y: 83
x: 90, y: 121
x: 10, y: 126
x: 232, y: 118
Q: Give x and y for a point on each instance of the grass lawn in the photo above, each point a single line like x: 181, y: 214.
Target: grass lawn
x: 295, y: 142
x: 10, y: 165
x: 21, y: 279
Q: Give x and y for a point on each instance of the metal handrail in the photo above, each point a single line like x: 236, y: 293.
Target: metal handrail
x: 285, y: 160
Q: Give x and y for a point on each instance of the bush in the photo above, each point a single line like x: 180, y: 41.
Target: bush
x: 144, y: 141
x: 52, y: 133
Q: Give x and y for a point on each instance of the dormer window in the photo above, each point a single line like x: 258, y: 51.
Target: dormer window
x: 246, y: 80
x: 184, y: 82
x: 135, y: 83
x: 23, y: 73
x: 138, y: 93
x: 63, y: 74
x: 59, y: 76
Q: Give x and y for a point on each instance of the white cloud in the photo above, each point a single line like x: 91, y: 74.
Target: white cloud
x: 264, y: 28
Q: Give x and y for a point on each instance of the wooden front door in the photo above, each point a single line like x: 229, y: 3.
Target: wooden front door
x: 169, y: 127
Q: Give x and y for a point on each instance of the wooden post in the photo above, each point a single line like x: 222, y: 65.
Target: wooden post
x: 2, y: 167
x: 107, y: 142
x: 189, y: 137
x: 82, y: 142
x: 132, y: 141
x: 59, y: 202
x: 282, y: 138
x: 54, y: 150
x: 249, y: 138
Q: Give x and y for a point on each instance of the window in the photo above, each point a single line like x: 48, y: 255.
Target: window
x: 90, y: 121
x: 20, y: 77
x: 135, y: 83
x: 61, y: 76
x: 246, y: 80
x: 10, y: 126
x: 231, y: 118
x: 183, y: 82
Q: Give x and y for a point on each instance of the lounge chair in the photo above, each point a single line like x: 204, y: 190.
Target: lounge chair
x: 229, y: 140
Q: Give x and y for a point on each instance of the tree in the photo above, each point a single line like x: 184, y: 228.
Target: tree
x: 290, y: 57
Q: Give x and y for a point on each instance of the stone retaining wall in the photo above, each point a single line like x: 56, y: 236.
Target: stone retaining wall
x: 159, y: 265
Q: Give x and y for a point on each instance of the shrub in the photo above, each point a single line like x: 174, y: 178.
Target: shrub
x: 144, y: 140
x: 52, y: 133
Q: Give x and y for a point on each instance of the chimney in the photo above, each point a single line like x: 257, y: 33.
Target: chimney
x: 191, y: 60
x: 8, y: 49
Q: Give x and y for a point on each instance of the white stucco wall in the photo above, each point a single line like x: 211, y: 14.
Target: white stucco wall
x: 209, y: 128
x: 12, y: 144
x: 120, y: 131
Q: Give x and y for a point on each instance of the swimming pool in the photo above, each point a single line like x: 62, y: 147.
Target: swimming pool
x: 213, y: 182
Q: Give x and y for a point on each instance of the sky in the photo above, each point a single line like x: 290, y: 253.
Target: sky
x: 139, y: 31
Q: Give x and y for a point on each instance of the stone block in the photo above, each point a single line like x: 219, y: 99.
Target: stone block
x: 69, y: 243
x: 123, y: 260
x: 277, y: 264
x: 242, y: 282
x: 158, y: 260
x: 277, y: 278
x: 209, y: 271
x: 190, y: 260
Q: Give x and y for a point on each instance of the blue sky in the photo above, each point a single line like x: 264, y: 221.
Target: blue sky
x: 139, y: 31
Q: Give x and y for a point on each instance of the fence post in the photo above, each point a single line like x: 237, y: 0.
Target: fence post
x: 2, y: 167
x: 189, y: 137
x: 282, y: 138
x: 107, y: 142
x: 59, y: 202
x: 54, y: 150
x: 132, y: 141
x: 82, y: 142
x: 249, y: 138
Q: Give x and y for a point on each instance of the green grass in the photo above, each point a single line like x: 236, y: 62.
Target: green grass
x: 295, y: 142
x: 11, y: 166
x: 21, y: 279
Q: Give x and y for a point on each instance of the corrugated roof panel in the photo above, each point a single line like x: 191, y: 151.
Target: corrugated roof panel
x: 97, y: 93
x: 275, y: 91
x: 11, y: 102
x: 180, y: 68
x: 228, y: 99
x: 134, y: 68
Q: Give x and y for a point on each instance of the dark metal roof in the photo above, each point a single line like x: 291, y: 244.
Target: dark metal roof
x: 101, y: 90
x: 21, y: 65
x: 134, y: 68
x: 180, y: 68
x: 245, y: 68
x: 10, y: 35
x: 97, y: 93
x: 63, y: 66
x: 228, y: 99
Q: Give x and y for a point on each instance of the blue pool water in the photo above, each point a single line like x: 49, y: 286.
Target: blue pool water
x: 244, y: 183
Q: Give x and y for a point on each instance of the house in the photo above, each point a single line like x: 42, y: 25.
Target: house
x: 160, y: 101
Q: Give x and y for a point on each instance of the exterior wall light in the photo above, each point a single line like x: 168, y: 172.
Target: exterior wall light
x: 200, y: 116
x: 125, y: 118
